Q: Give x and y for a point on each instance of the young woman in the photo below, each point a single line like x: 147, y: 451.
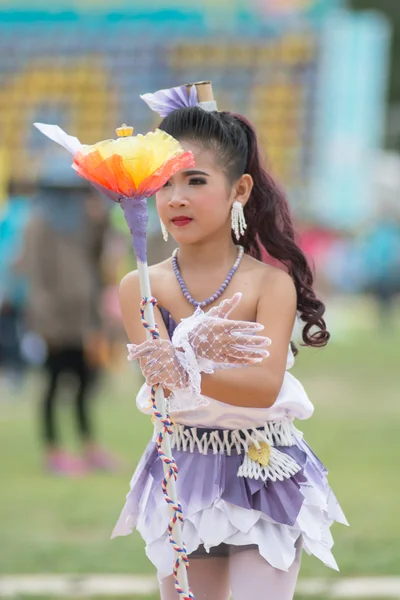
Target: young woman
x: 252, y: 491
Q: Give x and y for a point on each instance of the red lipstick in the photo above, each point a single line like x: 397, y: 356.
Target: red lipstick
x: 181, y: 221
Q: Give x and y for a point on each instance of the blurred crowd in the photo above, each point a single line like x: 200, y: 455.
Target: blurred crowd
x: 366, y: 261
x: 365, y: 258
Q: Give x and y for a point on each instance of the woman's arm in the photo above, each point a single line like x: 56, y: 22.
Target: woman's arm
x: 130, y: 298
x: 259, y: 385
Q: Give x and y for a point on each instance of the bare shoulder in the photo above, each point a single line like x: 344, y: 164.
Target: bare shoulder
x: 130, y: 297
x: 160, y: 272
x: 130, y: 283
x: 129, y: 290
x: 274, y: 283
x: 279, y: 281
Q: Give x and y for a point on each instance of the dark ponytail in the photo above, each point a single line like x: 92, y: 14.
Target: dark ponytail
x: 269, y: 223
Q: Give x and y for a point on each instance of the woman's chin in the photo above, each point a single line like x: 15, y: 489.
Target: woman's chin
x: 185, y: 236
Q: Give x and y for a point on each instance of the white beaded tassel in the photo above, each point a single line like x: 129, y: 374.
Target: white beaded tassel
x: 239, y: 224
x: 280, y: 466
x: 164, y: 231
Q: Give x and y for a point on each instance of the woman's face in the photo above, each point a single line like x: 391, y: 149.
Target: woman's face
x: 195, y: 203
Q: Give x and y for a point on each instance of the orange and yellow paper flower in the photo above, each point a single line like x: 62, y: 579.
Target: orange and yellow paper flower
x: 134, y: 165
x: 128, y: 170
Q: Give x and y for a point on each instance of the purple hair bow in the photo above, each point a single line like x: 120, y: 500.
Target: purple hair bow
x: 165, y: 102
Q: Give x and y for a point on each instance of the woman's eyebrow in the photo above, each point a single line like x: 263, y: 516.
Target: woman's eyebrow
x: 194, y: 172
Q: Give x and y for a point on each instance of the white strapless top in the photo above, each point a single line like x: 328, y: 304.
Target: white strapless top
x: 292, y: 402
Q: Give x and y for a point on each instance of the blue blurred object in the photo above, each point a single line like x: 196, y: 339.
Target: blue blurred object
x: 349, y: 126
x: 13, y: 220
x: 369, y: 263
x: 381, y: 251
x: 59, y: 199
x: 13, y: 287
x: 63, y: 208
x: 56, y: 171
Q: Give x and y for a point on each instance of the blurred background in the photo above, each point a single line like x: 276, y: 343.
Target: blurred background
x: 320, y: 80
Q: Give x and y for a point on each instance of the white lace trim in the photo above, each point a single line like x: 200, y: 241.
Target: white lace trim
x: 275, y: 433
x: 280, y: 466
x: 185, y: 399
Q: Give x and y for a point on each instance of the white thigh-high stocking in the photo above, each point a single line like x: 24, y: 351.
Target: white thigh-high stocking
x: 251, y: 576
x: 208, y: 577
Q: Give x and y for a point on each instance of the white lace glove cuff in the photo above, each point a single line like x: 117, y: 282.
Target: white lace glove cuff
x: 186, y: 399
x: 185, y: 353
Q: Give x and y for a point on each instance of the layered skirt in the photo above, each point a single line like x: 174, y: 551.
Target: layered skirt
x: 262, y: 486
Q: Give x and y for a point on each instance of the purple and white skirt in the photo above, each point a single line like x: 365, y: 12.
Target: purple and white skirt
x: 259, y: 487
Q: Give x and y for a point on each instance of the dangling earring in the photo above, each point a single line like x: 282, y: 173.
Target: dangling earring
x: 239, y: 224
x: 164, y: 231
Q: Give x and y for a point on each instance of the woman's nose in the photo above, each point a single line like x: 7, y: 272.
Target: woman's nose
x: 177, y: 200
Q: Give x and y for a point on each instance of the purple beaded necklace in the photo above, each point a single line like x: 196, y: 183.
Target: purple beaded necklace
x: 220, y: 290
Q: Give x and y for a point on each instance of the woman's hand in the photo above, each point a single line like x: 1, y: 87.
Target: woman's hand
x: 224, y: 341
x: 159, y: 364
x: 216, y: 338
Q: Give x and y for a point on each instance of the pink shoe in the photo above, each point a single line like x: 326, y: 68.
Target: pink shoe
x: 62, y: 463
x: 98, y: 459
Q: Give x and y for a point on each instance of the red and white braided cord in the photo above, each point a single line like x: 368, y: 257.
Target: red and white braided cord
x: 180, y: 552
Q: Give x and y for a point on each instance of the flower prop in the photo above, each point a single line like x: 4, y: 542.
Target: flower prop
x: 128, y: 170
x: 133, y: 165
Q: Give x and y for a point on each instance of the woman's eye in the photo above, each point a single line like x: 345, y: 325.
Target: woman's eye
x: 166, y: 184
x: 197, y: 181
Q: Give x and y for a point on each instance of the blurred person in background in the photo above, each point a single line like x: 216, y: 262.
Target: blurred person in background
x: 379, y: 245
x: 62, y: 256
x: 380, y: 248
x: 13, y: 285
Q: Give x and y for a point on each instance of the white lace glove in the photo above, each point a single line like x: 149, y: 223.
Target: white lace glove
x: 160, y: 364
x: 200, y: 343
x: 206, y: 341
x: 226, y: 342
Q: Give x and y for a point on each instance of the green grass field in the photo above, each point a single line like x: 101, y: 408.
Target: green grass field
x: 55, y: 525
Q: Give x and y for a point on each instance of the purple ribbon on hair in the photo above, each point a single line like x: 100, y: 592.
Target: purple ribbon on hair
x: 164, y: 102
